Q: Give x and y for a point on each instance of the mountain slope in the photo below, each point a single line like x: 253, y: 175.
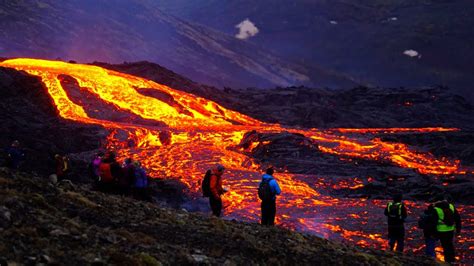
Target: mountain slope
x: 363, y: 38
x: 116, y: 31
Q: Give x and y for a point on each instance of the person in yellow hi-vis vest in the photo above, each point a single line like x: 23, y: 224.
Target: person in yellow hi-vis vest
x: 448, y: 223
x: 396, y: 214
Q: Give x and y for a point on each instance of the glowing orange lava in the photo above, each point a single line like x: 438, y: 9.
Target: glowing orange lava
x: 201, y: 132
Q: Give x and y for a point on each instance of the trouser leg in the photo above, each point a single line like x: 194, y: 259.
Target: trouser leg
x: 396, y: 234
x: 401, y: 242
x: 391, y: 243
x: 216, y: 206
x: 264, y: 209
x: 446, y: 239
x: 430, y: 244
x: 271, y: 212
x: 268, y: 212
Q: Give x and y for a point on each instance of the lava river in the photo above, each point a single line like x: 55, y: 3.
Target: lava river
x: 184, y: 135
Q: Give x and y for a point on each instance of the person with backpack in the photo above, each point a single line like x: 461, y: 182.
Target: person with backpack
x: 268, y: 189
x: 212, y: 186
x: 396, y: 213
x: 15, y: 155
x: 109, y: 172
x: 448, y: 223
x: 428, y: 222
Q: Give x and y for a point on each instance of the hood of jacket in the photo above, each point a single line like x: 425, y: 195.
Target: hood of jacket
x: 267, y: 176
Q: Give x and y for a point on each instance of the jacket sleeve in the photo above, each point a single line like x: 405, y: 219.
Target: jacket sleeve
x: 214, y: 186
x: 457, y: 219
x: 404, y: 212
x: 276, y: 187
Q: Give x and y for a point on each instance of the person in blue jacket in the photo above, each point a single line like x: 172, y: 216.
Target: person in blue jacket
x: 268, y: 190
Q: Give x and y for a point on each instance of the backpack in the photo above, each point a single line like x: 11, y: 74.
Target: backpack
x: 206, y: 184
x: 423, y: 221
x: 105, y: 173
x: 448, y: 217
x: 265, y: 192
x: 141, y: 180
x: 395, y: 210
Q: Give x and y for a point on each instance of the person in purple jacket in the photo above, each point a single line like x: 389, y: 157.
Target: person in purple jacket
x: 141, y: 183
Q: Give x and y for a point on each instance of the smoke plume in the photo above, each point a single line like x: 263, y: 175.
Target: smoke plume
x: 246, y: 29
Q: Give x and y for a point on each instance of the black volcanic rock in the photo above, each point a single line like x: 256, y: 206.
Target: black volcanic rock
x: 297, y: 154
x: 355, y: 108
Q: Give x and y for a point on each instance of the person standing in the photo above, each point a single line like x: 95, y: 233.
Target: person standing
x: 428, y: 222
x: 109, y: 172
x: 396, y: 213
x: 15, y: 155
x: 140, y: 190
x: 448, y: 223
x: 216, y: 189
x: 267, y: 192
x: 94, y: 166
x: 62, y: 166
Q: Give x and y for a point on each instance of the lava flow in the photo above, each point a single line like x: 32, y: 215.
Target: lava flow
x: 194, y: 133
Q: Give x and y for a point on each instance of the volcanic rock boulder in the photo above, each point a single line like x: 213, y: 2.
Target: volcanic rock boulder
x: 29, y: 115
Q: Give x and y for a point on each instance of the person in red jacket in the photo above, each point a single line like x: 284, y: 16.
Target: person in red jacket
x: 216, y: 190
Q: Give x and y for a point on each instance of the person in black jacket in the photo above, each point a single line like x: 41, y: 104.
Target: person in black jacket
x: 428, y: 222
x: 396, y: 213
x: 15, y: 155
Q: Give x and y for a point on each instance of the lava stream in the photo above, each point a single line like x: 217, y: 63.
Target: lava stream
x: 199, y: 133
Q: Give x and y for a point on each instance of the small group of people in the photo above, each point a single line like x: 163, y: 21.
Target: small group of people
x: 440, y: 221
x: 267, y: 191
x: 128, y: 178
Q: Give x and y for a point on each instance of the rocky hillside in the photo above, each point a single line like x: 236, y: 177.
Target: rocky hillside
x: 117, y: 31
x: 69, y: 224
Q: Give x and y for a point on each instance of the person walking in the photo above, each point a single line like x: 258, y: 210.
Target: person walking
x: 396, y: 213
x: 267, y: 192
x: 448, y: 224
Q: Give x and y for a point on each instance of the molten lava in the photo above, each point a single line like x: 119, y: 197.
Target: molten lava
x: 197, y: 133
